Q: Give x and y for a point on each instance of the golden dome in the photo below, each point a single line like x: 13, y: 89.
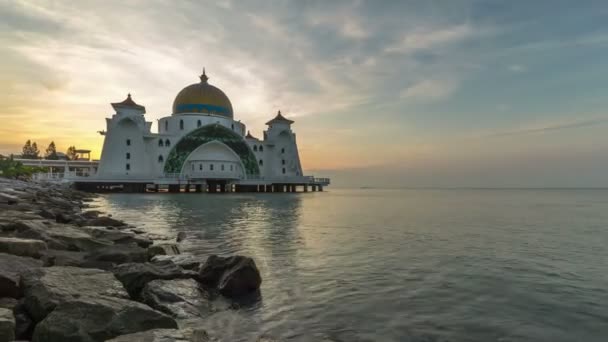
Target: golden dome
x: 202, y: 98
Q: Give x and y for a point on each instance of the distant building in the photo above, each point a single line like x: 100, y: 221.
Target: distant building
x: 199, y: 141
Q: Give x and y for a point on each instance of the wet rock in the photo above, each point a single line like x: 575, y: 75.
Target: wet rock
x: 119, y: 254
x: 163, y: 249
x: 135, y: 276
x: 181, y: 236
x: 118, y: 237
x: 105, y: 221
x: 165, y: 335
x: 54, y: 257
x: 12, y: 269
x: 63, y: 218
x: 91, y: 214
x: 23, y: 247
x: 101, y: 318
x: 58, y: 236
x: 24, y: 325
x: 8, y: 199
x: 47, y: 214
x: 7, y: 325
x: 186, y: 261
x: 233, y: 276
x: 180, y: 298
x: 8, y: 303
x: 46, y: 288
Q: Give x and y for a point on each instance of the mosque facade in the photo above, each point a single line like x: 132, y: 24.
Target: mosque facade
x: 200, y: 144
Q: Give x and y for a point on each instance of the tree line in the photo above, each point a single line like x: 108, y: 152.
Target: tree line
x: 31, y: 151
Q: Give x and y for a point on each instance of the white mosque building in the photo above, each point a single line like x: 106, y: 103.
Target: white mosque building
x: 199, y: 147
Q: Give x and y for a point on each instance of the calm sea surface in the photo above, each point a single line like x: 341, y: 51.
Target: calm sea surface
x: 401, y: 265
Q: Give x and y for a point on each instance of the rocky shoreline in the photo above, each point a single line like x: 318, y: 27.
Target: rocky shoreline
x: 68, y: 273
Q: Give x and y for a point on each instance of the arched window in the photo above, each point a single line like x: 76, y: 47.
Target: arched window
x: 283, y: 170
x: 211, y: 167
x: 166, y: 125
x: 200, y: 167
x: 128, y: 155
x: 283, y: 162
x: 232, y: 126
x: 222, y: 167
x: 198, y: 123
x: 231, y: 169
x: 181, y: 124
x: 128, y: 142
x: 283, y: 150
x: 167, y: 143
x: 128, y: 167
x: 160, y: 143
x: 161, y: 159
x: 261, y: 162
x: 255, y: 148
x: 261, y: 148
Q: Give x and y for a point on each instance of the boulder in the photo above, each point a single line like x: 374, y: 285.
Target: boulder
x: 11, y: 270
x: 89, y: 319
x: 135, y: 276
x: 181, y: 236
x: 180, y: 298
x: 119, y: 254
x: 8, y: 199
x: 105, y: 221
x: 23, y: 247
x: 61, y: 217
x: 58, y: 236
x: 165, y: 335
x: 7, y: 325
x: 54, y: 257
x: 46, y: 288
x: 186, y: 261
x: 118, y: 237
x: 8, y: 303
x: 91, y: 214
x: 233, y: 276
x: 24, y: 325
x: 163, y: 249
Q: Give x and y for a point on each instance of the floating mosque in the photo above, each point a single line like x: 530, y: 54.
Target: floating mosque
x: 200, y: 147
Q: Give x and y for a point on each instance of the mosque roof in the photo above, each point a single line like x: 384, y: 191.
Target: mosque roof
x: 202, y: 97
x: 279, y: 118
x: 128, y: 103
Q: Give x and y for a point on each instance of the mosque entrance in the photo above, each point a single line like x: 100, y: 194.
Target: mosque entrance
x: 214, y: 162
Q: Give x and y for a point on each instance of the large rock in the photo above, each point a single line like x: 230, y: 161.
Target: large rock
x: 118, y: 237
x: 24, y: 325
x: 46, y: 288
x: 11, y: 270
x: 23, y: 247
x: 186, y: 261
x: 135, y: 276
x: 7, y: 325
x: 119, y: 254
x: 180, y: 298
x: 165, y: 335
x: 89, y: 319
x: 163, y: 249
x: 82, y: 304
x: 233, y: 276
x: 58, y: 236
x: 104, y: 221
x: 54, y: 257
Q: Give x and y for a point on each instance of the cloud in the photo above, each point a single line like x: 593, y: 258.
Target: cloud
x: 429, y: 90
x: 517, y: 68
x: 553, y: 127
x: 426, y: 39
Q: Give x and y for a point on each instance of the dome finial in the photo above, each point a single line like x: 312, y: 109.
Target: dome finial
x: 204, y: 77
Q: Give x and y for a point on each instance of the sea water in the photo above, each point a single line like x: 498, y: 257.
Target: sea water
x: 400, y: 265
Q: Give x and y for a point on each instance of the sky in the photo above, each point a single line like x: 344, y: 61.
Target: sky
x: 451, y: 93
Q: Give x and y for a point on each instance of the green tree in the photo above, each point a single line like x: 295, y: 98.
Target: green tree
x: 27, y: 150
x: 71, y: 153
x: 35, y: 151
x: 51, y: 151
